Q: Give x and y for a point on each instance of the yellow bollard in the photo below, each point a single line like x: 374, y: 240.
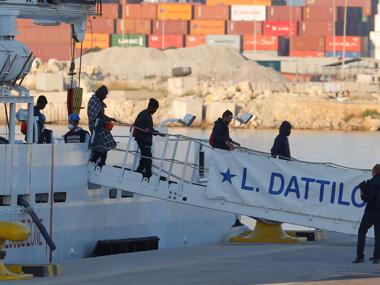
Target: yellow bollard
x: 14, y: 232
x: 266, y: 232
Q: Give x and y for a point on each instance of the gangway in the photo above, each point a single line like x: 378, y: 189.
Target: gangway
x: 243, y: 181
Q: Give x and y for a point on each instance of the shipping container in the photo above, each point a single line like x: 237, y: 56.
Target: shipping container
x: 96, y: 41
x: 295, y: 2
x: 248, y: 13
x: 134, y: 26
x: 110, y: 11
x: 99, y: 25
x: 281, y: 13
x: 172, y: 27
x: 244, y: 28
x: 316, y: 28
x: 231, y: 41
x: 170, y: 11
x: 133, y: 11
x: 141, y: 11
x: 307, y: 43
x: 239, y: 2
x: 319, y: 13
x: 265, y: 43
x: 41, y: 34
x: 348, y: 54
x: 46, y: 51
x: 165, y: 41
x: 118, y: 40
x: 280, y: 28
x: 193, y: 41
x: 207, y: 27
x: 253, y: 54
x: 306, y: 53
x: 24, y: 23
x: 149, y: 11
x: 275, y: 64
x: 365, y: 5
x: 215, y: 12
x: 354, y: 44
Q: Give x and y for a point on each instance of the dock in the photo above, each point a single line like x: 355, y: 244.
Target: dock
x: 320, y: 262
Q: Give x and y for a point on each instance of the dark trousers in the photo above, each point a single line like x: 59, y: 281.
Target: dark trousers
x: 145, y: 166
x: 368, y: 220
x: 101, y: 156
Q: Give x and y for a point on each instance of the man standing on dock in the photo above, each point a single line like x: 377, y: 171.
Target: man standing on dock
x: 370, y: 193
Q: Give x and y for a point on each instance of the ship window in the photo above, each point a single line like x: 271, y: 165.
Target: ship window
x: 113, y: 193
x: 60, y: 197
x: 5, y: 200
x: 42, y: 197
x: 126, y: 194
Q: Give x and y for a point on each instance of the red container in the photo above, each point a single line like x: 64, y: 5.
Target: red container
x: 173, y: 27
x: 355, y: 44
x: 149, y: 11
x: 24, y: 23
x: 268, y: 43
x: 305, y: 43
x: 280, y: 28
x: 133, y: 11
x: 44, y: 35
x: 306, y: 53
x: 193, y: 41
x: 166, y: 41
x: 319, y: 13
x: 110, y: 11
x: 316, y: 28
x: 284, y: 13
x: 211, y: 12
x: 99, y: 25
x: 134, y: 26
x: 46, y: 51
x: 244, y: 28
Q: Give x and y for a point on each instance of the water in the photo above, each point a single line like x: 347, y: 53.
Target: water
x: 352, y: 149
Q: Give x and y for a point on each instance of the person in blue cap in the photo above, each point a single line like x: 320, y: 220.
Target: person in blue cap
x: 76, y: 134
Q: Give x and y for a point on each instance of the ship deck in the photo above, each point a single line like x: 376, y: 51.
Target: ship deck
x: 319, y: 262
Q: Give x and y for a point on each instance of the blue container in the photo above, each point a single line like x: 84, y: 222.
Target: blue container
x: 295, y: 2
x: 347, y: 54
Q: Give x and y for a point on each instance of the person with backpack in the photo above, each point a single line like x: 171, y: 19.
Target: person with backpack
x: 370, y: 193
x: 76, y: 134
x: 220, y: 136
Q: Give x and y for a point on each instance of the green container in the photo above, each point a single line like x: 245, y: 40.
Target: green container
x: 275, y: 64
x: 118, y: 40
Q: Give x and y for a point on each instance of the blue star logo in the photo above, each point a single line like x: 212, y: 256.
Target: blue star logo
x: 227, y: 176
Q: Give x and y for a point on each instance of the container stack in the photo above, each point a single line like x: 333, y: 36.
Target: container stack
x: 300, y: 28
x: 375, y: 37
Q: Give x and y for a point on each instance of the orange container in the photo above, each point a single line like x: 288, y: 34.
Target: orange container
x: 170, y: 11
x: 96, y: 40
x: 207, y: 27
x: 172, y: 27
x: 193, y: 41
x: 132, y: 11
x: 100, y: 25
x: 149, y: 11
x: 266, y: 43
x: 239, y: 2
x: 134, y: 26
x: 35, y: 34
x: 214, y: 12
x: 110, y: 11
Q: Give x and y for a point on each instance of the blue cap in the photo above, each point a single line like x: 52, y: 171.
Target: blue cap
x: 74, y: 117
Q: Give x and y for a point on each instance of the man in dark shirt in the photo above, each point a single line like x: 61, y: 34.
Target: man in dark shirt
x: 220, y: 136
x: 76, y: 134
x: 370, y: 193
x: 143, y: 132
x: 281, y: 143
x: 44, y: 135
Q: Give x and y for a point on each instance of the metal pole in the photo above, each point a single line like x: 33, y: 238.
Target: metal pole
x: 173, y: 157
x: 126, y: 155
x: 12, y: 122
x: 162, y: 160
x: 29, y: 134
x: 186, y: 162
x: 334, y: 28
x: 344, y: 38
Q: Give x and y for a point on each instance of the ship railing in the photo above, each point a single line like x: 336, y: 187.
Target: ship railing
x: 176, y: 158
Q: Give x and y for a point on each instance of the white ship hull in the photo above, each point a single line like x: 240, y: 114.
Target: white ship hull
x: 89, y: 215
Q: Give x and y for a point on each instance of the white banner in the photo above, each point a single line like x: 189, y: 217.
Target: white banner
x: 293, y: 187
x: 248, y: 13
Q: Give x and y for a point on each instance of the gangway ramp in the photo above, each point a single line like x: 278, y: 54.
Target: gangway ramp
x: 243, y: 181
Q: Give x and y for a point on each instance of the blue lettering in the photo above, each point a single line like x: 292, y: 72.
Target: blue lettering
x: 322, y: 188
x: 293, y: 187
x: 244, y: 186
x: 340, y: 197
x: 271, y: 184
x: 353, y: 198
x: 307, y: 180
x: 332, y: 198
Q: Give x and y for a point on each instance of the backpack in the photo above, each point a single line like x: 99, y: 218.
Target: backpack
x: 365, y: 192
x: 211, y: 140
